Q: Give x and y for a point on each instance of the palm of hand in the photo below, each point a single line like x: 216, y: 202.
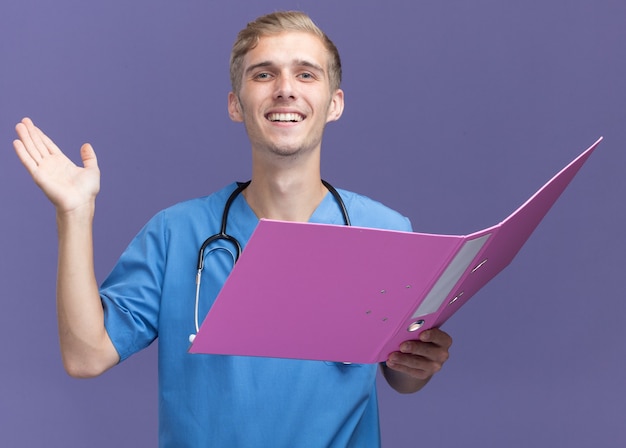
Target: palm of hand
x: 66, y: 185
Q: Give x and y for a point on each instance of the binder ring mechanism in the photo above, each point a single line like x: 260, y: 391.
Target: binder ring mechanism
x: 414, y: 326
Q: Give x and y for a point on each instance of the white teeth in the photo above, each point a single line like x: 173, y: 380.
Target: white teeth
x: 285, y: 117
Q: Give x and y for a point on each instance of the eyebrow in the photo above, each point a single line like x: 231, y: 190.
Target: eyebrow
x: 297, y: 62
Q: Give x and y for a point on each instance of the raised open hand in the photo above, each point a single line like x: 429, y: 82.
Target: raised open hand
x: 68, y: 186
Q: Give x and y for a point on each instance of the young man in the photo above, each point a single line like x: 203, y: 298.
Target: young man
x: 285, y: 74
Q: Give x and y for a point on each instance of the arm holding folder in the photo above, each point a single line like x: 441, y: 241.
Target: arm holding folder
x: 383, y: 288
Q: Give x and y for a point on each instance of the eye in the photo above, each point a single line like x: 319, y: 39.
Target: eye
x: 262, y: 76
x: 306, y: 76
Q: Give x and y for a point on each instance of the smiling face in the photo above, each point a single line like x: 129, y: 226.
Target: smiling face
x: 285, y: 99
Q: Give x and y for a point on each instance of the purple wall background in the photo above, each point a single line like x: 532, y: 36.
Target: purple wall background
x: 456, y: 112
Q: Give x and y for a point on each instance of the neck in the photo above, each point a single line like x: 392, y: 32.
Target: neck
x: 291, y: 196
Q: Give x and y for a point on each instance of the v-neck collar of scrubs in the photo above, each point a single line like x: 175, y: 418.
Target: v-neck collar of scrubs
x: 327, y: 211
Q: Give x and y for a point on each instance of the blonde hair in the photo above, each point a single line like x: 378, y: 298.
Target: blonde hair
x: 276, y: 23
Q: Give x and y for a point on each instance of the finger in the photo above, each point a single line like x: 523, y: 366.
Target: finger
x: 414, y: 366
x: 27, y: 144
x: 24, y: 156
x: 437, y: 337
x: 422, y: 350
x: 41, y: 140
x: 88, y: 156
x: 47, y: 141
x: 425, y: 350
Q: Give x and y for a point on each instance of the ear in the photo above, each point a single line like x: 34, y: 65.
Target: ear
x: 335, y: 109
x: 234, y: 108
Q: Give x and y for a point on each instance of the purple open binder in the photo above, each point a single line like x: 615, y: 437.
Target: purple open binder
x: 351, y: 294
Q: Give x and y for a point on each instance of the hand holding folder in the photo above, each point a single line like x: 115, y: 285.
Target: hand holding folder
x: 350, y: 294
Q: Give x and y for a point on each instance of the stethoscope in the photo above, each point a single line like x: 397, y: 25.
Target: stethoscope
x: 223, y: 236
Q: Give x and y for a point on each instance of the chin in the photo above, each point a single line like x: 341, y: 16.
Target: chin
x: 286, y: 152
x: 287, y: 148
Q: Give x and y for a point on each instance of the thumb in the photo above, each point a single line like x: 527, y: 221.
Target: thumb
x: 88, y: 155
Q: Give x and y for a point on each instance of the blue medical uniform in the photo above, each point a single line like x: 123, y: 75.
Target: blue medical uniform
x: 231, y: 401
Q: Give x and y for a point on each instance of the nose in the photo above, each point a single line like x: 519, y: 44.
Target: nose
x: 285, y: 87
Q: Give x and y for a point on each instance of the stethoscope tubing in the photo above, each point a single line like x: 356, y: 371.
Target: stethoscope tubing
x: 222, y: 235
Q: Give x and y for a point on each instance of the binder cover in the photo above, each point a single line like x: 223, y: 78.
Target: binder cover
x: 351, y: 294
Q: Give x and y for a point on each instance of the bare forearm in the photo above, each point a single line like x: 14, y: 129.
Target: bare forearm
x: 85, y: 345
x: 402, y: 382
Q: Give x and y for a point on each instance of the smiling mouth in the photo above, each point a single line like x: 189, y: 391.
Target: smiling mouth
x: 285, y: 117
